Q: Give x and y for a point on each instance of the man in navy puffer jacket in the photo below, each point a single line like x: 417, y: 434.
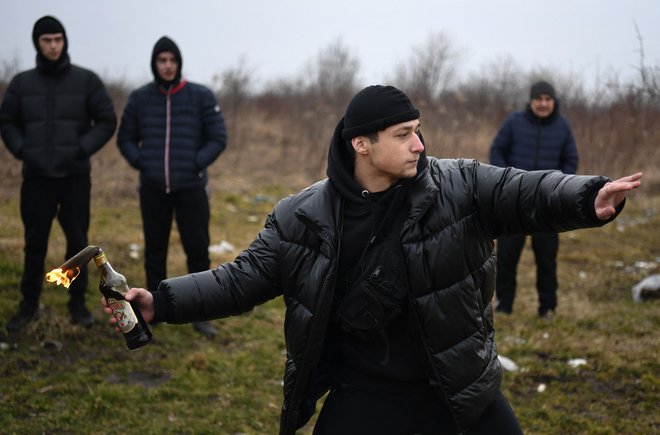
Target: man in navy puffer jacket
x: 171, y: 131
x: 537, y: 138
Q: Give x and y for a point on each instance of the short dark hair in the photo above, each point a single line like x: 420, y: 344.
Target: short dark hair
x: 373, y: 137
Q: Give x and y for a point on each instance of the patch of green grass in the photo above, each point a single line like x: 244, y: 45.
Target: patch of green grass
x: 59, y: 378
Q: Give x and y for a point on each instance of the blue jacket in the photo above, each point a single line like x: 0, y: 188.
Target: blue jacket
x: 172, y: 136
x: 527, y: 142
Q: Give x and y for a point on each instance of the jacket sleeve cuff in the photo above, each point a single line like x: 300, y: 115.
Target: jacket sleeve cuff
x: 160, y: 307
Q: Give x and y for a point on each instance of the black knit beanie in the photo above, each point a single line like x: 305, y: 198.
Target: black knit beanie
x: 375, y: 108
x: 166, y: 44
x: 541, y: 88
x: 44, y: 25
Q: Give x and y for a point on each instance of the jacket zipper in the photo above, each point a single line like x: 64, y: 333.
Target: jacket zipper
x: 167, y: 141
x: 538, y: 145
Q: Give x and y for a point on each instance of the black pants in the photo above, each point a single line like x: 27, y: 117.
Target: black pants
x: 349, y: 411
x: 191, y: 209
x: 545, y: 248
x: 42, y: 199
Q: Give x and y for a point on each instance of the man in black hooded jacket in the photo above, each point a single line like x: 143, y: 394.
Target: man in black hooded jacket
x: 54, y: 118
x: 387, y: 271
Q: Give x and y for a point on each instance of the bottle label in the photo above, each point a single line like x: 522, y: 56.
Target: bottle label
x: 123, y: 312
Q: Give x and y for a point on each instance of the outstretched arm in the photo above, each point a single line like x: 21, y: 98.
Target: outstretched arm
x: 611, y: 195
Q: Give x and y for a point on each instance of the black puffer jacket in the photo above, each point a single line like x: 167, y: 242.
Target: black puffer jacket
x: 54, y: 121
x: 458, y: 207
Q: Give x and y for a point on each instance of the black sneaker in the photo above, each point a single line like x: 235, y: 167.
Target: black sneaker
x: 21, y: 319
x: 501, y: 309
x: 546, y: 313
x: 80, y: 315
x: 206, y: 329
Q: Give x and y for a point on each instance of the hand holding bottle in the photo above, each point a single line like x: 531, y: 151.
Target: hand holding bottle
x: 140, y: 298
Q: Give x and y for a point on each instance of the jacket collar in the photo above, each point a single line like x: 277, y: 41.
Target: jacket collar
x: 321, y: 210
x: 171, y: 90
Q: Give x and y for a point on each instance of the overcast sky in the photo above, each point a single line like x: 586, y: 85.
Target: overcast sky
x: 277, y: 37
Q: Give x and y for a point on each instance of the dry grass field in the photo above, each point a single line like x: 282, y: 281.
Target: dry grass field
x: 58, y: 378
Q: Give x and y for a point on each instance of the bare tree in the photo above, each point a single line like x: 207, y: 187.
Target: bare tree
x: 649, y: 87
x: 235, y: 87
x: 496, y: 89
x: 331, y: 80
x: 8, y: 69
x: 333, y: 74
x: 430, y: 70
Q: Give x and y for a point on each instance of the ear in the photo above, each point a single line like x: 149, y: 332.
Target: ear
x: 360, y: 145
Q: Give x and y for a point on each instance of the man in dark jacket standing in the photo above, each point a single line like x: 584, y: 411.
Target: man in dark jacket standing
x: 171, y: 131
x: 54, y: 118
x: 537, y: 138
x: 387, y: 271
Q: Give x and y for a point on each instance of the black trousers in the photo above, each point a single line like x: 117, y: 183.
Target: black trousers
x: 191, y: 210
x: 350, y: 411
x: 43, y: 199
x: 545, y: 249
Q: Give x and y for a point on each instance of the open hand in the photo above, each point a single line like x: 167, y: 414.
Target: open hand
x: 612, y: 193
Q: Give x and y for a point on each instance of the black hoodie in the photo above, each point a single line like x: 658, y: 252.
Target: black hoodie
x: 50, y: 25
x: 388, y: 361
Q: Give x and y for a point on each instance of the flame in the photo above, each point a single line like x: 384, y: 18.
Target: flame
x: 61, y: 277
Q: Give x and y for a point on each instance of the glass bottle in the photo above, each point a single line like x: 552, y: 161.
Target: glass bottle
x: 113, y: 286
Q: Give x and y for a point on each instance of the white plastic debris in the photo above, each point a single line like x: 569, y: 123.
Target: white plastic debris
x: 508, y: 364
x: 134, y: 251
x: 577, y: 362
x: 648, y: 288
x: 224, y: 247
x: 582, y: 274
x: 540, y: 388
x: 253, y: 218
x: 645, y: 264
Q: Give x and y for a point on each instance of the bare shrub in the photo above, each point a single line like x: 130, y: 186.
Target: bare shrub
x: 497, y: 92
x: 331, y: 80
x: 234, y: 89
x: 332, y: 75
x: 8, y: 69
x: 430, y: 71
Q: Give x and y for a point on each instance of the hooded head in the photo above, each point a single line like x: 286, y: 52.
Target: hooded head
x: 165, y: 44
x: 47, y: 25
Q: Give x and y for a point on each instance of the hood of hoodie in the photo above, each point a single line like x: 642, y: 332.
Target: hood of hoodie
x: 162, y: 45
x: 341, y: 167
x: 50, y: 25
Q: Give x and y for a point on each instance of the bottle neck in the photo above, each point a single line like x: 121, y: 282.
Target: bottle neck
x: 104, y: 266
x: 100, y: 259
